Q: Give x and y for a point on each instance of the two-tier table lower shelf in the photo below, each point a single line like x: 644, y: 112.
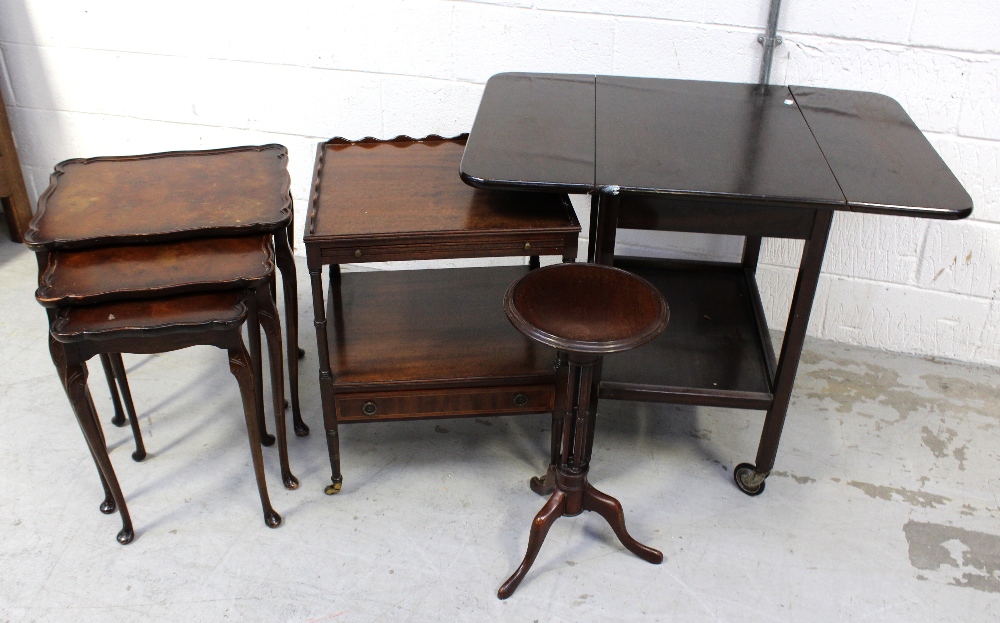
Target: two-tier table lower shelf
x: 432, y: 343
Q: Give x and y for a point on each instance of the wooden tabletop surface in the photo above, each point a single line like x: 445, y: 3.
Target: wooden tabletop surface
x: 795, y: 146
x: 406, y: 186
x: 162, y: 197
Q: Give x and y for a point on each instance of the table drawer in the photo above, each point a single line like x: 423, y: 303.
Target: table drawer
x: 454, y: 247
x: 414, y: 404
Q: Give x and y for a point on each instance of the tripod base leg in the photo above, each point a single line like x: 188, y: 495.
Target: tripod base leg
x: 552, y: 510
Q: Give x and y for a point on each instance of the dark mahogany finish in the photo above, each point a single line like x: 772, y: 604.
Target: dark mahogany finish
x: 117, y: 273
x: 774, y: 145
x: 426, y: 343
x: 881, y: 160
x: 147, y: 271
x: 154, y: 326
x: 532, y: 128
x: 708, y: 139
x: 585, y: 311
x: 679, y: 155
x: 163, y: 197
x: 414, y: 328
x: 440, y: 217
x: 175, y: 197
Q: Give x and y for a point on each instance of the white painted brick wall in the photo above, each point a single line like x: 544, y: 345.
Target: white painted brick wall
x: 87, y: 77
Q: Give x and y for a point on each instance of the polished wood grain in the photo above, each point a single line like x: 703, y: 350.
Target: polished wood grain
x: 146, y: 271
x: 416, y: 207
x: 586, y: 308
x: 164, y: 196
x: 444, y: 402
x: 533, y: 130
x: 773, y: 145
x: 430, y: 329
x: 881, y: 160
x: 679, y: 155
x: 154, y: 326
x: 213, y: 311
x: 172, y: 196
x: 708, y: 139
x: 422, y: 344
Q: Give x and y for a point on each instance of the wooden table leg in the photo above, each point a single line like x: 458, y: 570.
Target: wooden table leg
x: 286, y: 265
x: 606, y: 225
x: 73, y: 375
x: 750, y: 478
x: 118, y: 368
x: 119, y: 417
x: 572, y: 493
x: 272, y: 330
x: 240, y: 365
x: 253, y: 334
x: 325, y: 375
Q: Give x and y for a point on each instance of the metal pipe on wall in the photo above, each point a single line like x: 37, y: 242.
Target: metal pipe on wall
x: 769, y: 40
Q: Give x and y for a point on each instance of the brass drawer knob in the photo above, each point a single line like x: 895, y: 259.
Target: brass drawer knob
x: 357, y: 253
x: 369, y: 408
x: 527, y: 246
x: 521, y: 400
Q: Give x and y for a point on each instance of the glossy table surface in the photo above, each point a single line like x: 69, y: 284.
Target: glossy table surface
x: 790, y: 146
x: 404, y: 186
x: 103, y: 274
x: 163, y: 197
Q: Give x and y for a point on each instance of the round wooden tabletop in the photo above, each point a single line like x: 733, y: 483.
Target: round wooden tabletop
x: 586, y: 308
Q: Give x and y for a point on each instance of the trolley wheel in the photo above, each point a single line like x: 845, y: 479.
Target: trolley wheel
x: 745, y: 475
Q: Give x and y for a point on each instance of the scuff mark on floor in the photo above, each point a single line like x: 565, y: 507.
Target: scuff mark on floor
x: 914, y: 498
x: 958, y: 556
x: 802, y: 480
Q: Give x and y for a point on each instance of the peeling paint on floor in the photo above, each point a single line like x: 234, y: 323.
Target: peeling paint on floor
x: 429, y: 523
x: 958, y: 556
x: 914, y: 498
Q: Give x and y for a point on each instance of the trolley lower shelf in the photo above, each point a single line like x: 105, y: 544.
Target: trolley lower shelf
x: 716, y: 349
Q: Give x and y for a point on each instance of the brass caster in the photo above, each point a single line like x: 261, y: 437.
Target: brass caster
x: 334, y: 489
x: 125, y: 536
x: 272, y: 519
x: 748, y: 479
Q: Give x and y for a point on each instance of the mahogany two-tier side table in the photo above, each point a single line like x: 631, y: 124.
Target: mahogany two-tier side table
x: 718, y: 158
x: 426, y: 343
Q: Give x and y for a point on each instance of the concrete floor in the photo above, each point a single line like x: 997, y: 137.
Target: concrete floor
x: 883, y: 506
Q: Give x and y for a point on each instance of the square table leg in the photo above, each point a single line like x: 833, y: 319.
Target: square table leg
x: 750, y: 478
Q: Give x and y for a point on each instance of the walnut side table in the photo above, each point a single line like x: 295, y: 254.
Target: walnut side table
x: 421, y: 344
